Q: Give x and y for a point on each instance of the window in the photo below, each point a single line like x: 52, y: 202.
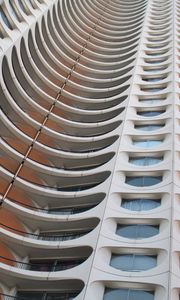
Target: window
x: 150, y: 113
x: 143, y: 181
x: 13, y: 10
x: 153, y: 79
x: 157, y: 70
x: 22, y: 6
x: 154, y: 62
x: 133, y: 262
x: 1, y: 35
x: 157, y: 40
x: 155, y: 53
x: 151, y: 101
x: 147, y: 143
x: 140, y: 204
x: 153, y: 90
x: 31, y: 4
x: 127, y: 294
x: 137, y: 231
x: 5, y: 18
x: 145, y: 161
x: 156, y: 46
x: 149, y: 127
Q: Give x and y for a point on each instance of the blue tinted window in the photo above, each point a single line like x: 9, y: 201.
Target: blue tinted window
x: 155, y: 53
x: 127, y: 294
x: 21, y: 4
x: 155, y: 70
x: 151, y: 101
x: 31, y: 3
x: 5, y: 18
x: 143, y: 180
x: 148, y: 127
x: 137, y: 231
x: 153, y: 90
x: 155, y: 61
x: 147, y: 143
x: 150, y: 113
x: 145, y: 161
x: 13, y: 10
x: 153, y: 79
x: 140, y: 204
x: 133, y: 262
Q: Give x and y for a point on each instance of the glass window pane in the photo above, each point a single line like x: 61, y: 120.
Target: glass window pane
x: 138, y: 161
x: 116, y: 294
x: 141, y: 144
x: 21, y: 4
x: 152, y: 160
x: 122, y: 262
x: 150, y: 113
x: 145, y: 161
x: 153, y: 79
x: 128, y: 231
x: 148, y: 127
x: 152, y: 90
x: 141, y: 295
x: 131, y: 204
x: 5, y: 18
x: 148, y: 204
x: 137, y: 231
x: 127, y: 294
x: 146, y: 231
x: 13, y: 10
x: 151, y: 180
x: 143, y: 181
x: 140, y: 204
x: 151, y: 101
x: 133, y: 262
x: 152, y: 143
x: 147, y: 143
x: 31, y: 4
x: 143, y: 262
x: 135, y: 181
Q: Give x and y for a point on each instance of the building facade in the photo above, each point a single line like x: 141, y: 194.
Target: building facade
x: 90, y: 149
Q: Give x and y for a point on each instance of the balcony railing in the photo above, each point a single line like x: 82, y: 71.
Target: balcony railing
x: 49, y: 236
x: 44, y: 266
x: 40, y: 296
x: 55, y: 210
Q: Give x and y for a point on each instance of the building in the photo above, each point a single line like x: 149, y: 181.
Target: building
x: 90, y: 149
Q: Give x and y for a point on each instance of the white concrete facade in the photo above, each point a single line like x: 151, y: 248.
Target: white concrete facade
x: 90, y: 193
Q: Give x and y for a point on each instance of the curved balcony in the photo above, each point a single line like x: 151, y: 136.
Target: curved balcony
x: 64, y: 92
x: 72, y: 163
x: 56, y: 235
x: 57, y: 210
x: 38, y: 295
x: 43, y: 265
x: 53, y: 205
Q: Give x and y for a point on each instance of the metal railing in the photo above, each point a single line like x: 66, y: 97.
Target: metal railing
x: 57, y: 211
x: 49, y: 236
x: 9, y: 297
x: 41, y: 296
x: 53, y: 266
